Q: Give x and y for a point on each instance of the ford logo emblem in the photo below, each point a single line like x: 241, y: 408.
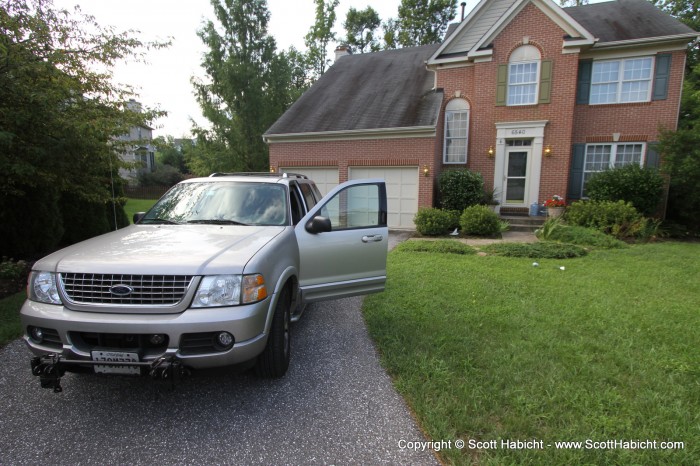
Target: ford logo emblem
x: 121, y: 290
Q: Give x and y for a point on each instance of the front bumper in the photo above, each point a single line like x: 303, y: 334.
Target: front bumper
x: 247, y: 324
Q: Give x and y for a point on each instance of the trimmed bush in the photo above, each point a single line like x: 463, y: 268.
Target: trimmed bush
x: 642, y: 187
x: 460, y: 189
x: 540, y: 250
x: 433, y: 222
x: 479, y: 220
x: 619, y: 219
x: 444, y: 246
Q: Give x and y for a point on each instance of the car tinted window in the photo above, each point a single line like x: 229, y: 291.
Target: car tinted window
x: 308, y: 194
x: 221, y: 202
x: 297, y: 206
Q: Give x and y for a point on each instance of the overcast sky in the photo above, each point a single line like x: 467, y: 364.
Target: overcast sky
x: 165, y: 81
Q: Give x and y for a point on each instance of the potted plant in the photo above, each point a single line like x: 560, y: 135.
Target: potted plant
x: 555, y: 206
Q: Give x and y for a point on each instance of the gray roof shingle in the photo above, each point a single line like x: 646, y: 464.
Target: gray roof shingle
x: 388, y: 89
x: 626, y: 20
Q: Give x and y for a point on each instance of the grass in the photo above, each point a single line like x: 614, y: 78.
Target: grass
x: 10, y: 327
x: 137, y: 205
x: 491, y: 348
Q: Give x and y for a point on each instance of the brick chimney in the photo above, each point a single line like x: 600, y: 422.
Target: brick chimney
x: 341, y: 51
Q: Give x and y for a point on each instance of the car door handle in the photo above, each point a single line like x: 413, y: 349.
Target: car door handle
x: 370, y: 238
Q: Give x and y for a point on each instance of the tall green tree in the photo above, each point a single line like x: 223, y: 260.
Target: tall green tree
x: 241, y: 97
x: 361, y: 29
x: 320, y: 36
x: 422, y: 22
x: 573, y: 2
x: 60, y: 119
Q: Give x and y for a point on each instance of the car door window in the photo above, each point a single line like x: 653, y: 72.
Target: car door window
x: 354, y: 207
x: 296, y: 204
x: 308, y: 194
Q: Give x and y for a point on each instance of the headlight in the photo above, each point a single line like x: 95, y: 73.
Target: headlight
x: 230, y: 290
x: 43, y: 287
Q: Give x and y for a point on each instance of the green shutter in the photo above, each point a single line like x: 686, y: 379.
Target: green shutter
x: 661, y: 76
x: 578, y: 156
x: 583, y: 85
x: 502, y: 85
x: 653, y: 158
x: 546, y: 82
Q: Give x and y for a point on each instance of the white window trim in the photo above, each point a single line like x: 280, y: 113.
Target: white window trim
x: 621, y: 80
x: 445, y: 138
x: 536, y: 83
x: 613, y: 157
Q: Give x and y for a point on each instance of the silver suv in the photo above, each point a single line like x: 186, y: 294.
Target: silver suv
x: 211, y: 276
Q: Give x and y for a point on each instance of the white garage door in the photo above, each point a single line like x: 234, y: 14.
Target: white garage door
x: 325, y: 178
x: 401, y: 191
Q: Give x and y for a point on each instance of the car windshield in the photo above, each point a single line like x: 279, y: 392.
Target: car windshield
x: 221, y: 203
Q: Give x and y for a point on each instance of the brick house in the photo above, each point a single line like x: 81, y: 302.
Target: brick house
x: 533, y: 96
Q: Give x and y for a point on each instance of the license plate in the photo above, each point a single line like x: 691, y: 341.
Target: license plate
x: 115, y: 356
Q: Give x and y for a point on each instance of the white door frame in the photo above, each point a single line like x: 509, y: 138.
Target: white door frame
x: 520, y: 130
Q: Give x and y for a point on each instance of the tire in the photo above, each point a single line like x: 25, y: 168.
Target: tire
x: 273, y: 362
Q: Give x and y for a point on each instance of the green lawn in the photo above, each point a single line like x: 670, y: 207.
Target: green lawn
x: 488, y: 348
x: 137, y: 205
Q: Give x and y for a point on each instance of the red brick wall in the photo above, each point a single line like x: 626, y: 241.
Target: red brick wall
x: 399, y: 152
x: 478, y: 85
x: 635, y: 122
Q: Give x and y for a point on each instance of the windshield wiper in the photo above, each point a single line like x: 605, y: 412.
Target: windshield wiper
x: 159, y: 221
x: 218, y: 221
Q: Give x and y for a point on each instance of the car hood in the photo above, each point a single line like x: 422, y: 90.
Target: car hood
x: 164, y: 250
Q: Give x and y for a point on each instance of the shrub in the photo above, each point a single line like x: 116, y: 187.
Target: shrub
x: 540, y: 250
x: 433, y: 222
x: 642, y: 187
x: 460, y: 189
x: 164, y: 175
x: 444, y: 246
x: 619, y: 219
x: 480, y: 220
x: 554, y: 230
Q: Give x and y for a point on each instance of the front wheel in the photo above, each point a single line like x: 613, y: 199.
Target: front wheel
x: 273, y: 362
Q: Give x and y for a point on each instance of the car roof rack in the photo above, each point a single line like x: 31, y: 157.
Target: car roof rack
x: 268, y: 174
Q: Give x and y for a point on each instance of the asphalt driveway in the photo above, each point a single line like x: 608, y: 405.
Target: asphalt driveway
x: 336, y: 405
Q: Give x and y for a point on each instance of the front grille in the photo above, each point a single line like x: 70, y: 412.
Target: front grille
x: 146, y: 290
x: 87, y: 341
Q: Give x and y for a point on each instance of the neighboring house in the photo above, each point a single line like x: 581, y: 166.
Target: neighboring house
x: 142, y: 153
x: 533, y: 96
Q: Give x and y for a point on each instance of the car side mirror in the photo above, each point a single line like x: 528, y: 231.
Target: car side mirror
x: 319, y: 224
x: 138, y: 216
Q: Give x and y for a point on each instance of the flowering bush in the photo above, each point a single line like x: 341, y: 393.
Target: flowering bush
x: 555, y: 201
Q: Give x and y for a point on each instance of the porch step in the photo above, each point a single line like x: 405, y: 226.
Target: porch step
x: 523, y: 222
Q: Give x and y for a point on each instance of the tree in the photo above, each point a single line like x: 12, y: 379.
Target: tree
x: 687, y: 12
x: 422, y: 22
x: 360, y: 27
x: 573, y: 2
x: 320, y: 35
x: 390, y: 34
x: 60, y: 119
x: 170, y: 151
x: 244, y: 94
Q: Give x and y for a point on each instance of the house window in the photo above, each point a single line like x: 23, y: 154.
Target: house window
x: 621, y: 81
x: 456, y: 131
x: 600, y: 157
x: 523, y: 75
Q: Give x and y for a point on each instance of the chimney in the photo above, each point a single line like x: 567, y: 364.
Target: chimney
x: 341, y: 51
x: 464, y: 4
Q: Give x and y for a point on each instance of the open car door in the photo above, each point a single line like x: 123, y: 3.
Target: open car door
x: 343, y: 242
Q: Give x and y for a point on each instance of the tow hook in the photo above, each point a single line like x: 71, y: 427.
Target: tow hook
x: 51, y: 367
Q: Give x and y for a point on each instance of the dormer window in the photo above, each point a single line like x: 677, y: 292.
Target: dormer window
x: 523, y: 75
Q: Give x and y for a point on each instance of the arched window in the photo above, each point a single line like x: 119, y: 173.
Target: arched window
x: 456, y: 131
x: 523, y: 75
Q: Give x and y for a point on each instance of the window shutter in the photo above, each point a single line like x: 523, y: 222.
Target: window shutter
x: 661, y: 76
x: 583, y: 86
x: 545, y: 81
x: 653, y: 159
x: 502, y: 85
x: 578, y: 156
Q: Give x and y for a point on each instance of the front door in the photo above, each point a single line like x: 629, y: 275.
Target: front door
x: 518, y: 154
x: 348, y: 256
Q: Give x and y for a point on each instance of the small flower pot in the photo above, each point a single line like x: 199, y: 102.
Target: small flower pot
x: 555, y: 212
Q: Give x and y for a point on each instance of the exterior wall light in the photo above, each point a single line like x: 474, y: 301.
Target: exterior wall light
x: 426, y: 170
x: 490, y: 151
x: 272, y: 169
x: 548, y: 151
